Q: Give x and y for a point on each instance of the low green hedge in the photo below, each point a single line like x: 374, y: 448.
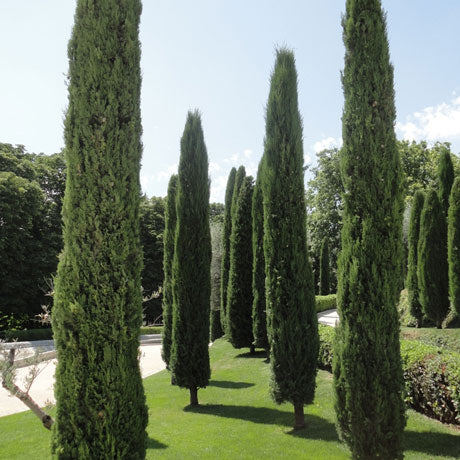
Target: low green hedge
x: 326, y: 302
x: 431, y: 376
x: 47, y: 334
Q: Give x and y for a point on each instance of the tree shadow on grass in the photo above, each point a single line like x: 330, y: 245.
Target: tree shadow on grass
x: 316, y: 427
x: 432, y: 443
x: 256, y: 354
x: 154, y: 444
x: 230, y: 384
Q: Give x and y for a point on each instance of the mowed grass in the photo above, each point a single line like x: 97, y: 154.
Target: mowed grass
x: 449, y: 339
x: 236, y: 420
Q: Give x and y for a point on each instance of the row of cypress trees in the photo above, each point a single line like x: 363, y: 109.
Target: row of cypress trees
x: 433, y: 263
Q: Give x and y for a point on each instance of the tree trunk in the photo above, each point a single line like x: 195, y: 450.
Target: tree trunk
x: 252, y: 349
x: 299, y: 416
x: 194, y: 396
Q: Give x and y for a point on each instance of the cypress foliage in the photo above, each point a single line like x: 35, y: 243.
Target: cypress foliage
x: 239, y: 300
x: 189, y: 359
x: 453, y: 245
x: 226, y: 245
x: 259, y: 316
x: 432, y: 268
x: 216, y: 327
x: 168, y: 256
x: 412, y: 279
x: 445, y: 178
x: 368, y: 379
x: 292, y: 321
x: 324, y: 269
x: 101, y: 411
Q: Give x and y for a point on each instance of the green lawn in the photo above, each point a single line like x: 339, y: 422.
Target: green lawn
x: 449, y: 339
x: 237, y: 420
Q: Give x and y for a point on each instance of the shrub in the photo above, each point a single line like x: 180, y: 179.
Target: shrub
x: 326, y: 302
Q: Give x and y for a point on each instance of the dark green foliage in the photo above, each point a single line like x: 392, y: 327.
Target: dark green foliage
x: 216, y: 266
x: 292, y: 323
x: 216, y: 212
x: 152, y: 226
x: 432, y: 268
x: 445, y: 178
x: 412, y: 279
x: 259, y: 314
x: 226, y: 244
x: 453, y: 245
x: 324, y: 277
x: 101, y: 411
x: 189, y: 359
x: 367, y: 363
x: 325, y: 302
x: 168, y: 245
x: 239, y: 296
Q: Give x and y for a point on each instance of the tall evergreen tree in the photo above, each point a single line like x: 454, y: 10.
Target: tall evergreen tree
x: 412, y: 279
x: 216, y: 227
x: 432, y: 268
x: 293, y: 325
x: 368, y: 377
x: 168, y: 257
x: 324, y: 269
x: 226, y: 245
x: 101, y: 411
x: 259, y: 315
x: 446, y: 178
x: 239, y: 300
x: 189, y: 359
x: 453, y: 245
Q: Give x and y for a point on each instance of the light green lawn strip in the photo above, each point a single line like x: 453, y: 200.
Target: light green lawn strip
x: 448, y: 339
x: 236, y: 420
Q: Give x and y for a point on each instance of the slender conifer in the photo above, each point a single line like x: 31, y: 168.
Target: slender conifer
x: 446, y: 178
x: 97, y: 314
x: 453, y: 245
x: 432, y: 268
x: 239, y: 300
x: 293, y: 325
x: 168, y: 256
x: 412, y: 278
x: 189, y: 359
x: 368, y: 378
x: 324, y: 269
x: 259, y: 316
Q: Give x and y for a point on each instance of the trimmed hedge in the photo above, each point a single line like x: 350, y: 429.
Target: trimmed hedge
x: 431, y: 376
x: 47, y: 334
x: 326, y: 302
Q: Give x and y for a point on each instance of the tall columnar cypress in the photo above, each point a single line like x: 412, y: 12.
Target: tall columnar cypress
x: 324, y: 269
x: 412, y: 278
x: 226, y: 245
x: 368, y: 379
x: 432, y: 268
x: 239, y: 300
x: 446, y: 178
x: 293, y: 325
x: 189, y: 359
x: 101, y: 411
x: 168, y: 256
x: 453, y: 245
x: 259, y: 316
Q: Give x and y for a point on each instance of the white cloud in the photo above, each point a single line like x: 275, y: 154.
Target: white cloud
x: 327, y: 143
x: 218, y: 186
x: 214, y: 167
x: 248, y: 153
x: 437, y: 123
x: 307, y: 159
x: 163, y: 176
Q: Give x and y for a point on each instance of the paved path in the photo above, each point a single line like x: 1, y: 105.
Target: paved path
x: 328, y: 317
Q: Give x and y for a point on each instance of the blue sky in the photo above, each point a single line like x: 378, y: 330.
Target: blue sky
x: 217, y: 56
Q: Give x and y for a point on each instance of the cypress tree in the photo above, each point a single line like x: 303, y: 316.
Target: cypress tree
x: 97, y: 314
x: 412, y: 279
x: 432, y: 268
x: 368, y: 379
x: 324, y: 270
x: 293, y: 325
x: 259, y: 316
x: 453, y: 245
x: 168, y: 256
x: 445, y: 178
x: 226, y: 244
x: 189, y: 359
x: 239, y: 300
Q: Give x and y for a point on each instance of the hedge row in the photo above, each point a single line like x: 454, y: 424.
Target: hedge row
x: 326, y: 302
x: 431, y: 376
x: 47, y: 334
